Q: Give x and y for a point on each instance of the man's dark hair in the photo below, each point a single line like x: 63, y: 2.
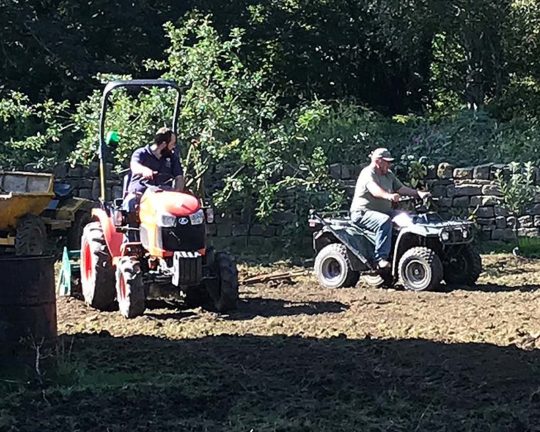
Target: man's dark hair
x: 163, y: 135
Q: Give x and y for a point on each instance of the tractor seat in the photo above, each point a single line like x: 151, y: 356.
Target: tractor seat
x: 62, y: 190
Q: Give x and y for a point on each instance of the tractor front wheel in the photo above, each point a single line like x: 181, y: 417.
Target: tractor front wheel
x: 97, y: 272
x: 130, y: 292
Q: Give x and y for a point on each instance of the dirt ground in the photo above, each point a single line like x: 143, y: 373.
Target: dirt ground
x: 297, y: 357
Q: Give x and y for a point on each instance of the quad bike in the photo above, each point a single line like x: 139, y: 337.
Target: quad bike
x: 169, y: 252
x: 425, y: 251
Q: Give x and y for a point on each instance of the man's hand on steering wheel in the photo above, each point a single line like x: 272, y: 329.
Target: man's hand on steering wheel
x: 424, y: 194
x: 147, y: 173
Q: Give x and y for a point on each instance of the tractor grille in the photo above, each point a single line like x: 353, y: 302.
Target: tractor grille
x: 183, y: 237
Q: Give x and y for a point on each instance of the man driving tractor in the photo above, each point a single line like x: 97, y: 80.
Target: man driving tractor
x: 157, y: 163
x: 154, y: 162
x: 376, y: 189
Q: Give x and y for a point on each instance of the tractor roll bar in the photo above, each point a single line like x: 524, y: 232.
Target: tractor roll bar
x: 138, y: 83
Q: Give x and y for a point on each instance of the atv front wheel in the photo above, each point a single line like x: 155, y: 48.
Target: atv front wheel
x: 130, y: 287
x: 333, y: 267
x: 463, y: 267
x: 31, y: 236
x: 97, y: 272
x: 420, y: 269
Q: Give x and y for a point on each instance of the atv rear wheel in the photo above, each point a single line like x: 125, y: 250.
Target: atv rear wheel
x: 463, y: 267
x: 130, y: 292
x: 97, y: 272
x: 333, y: 267
x: 420, y: 269
x: 31, y: 236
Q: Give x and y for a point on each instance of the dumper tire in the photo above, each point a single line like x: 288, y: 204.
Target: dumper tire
x: 463, y: 268
x: 97, y: 270
x: 420, y: 269
x: 31, y: 236
x: 333, y: 267
x: 130, y: 292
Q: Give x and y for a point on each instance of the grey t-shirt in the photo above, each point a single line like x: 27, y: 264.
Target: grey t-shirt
x: 363, y: 200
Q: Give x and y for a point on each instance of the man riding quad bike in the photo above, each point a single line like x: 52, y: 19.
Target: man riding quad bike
x: 425, y: 251
x: 418, y: 252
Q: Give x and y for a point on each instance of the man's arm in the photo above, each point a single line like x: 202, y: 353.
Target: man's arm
x: 137, y: 168
x: 179, y: 183
x: 407, y: 191
x: 378, y: 192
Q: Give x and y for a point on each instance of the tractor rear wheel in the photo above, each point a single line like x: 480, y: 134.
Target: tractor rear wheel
x: 463, y: 267
x: 31, y: 236
x: 420, y: 269
x: 97, y: 271
x: 333, y: 267
x: 130, y: 292
x: 226, y: 297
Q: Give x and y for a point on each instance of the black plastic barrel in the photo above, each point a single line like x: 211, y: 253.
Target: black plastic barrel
x: 27, y: 302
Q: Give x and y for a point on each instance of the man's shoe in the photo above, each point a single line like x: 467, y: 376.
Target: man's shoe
x: 383, y: 264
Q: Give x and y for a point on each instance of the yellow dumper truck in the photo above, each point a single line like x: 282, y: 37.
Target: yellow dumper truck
x: 34, y: 212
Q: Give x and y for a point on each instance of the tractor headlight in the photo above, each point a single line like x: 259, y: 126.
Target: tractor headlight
x: 197, y: 218
x: 166, y: 220
x: 445, y: 236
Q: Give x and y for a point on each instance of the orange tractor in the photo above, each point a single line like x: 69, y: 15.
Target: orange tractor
x: 171, y: 253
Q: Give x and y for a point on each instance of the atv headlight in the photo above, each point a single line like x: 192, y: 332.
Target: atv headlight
x: 445, y: 236
x: 166, y: 220
x: 197, y: 218
x: 465, y: 233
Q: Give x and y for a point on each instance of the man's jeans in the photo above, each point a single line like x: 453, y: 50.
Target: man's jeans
x: 381, y: 225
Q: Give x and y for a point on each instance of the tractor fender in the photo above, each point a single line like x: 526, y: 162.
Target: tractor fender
x: 113, y: 238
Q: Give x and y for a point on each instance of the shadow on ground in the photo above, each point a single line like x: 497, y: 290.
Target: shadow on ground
x: 278, y: 383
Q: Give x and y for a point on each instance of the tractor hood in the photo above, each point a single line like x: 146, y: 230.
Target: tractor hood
x: 169, y: 202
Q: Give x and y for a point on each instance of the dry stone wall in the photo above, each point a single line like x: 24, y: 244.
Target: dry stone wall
x: 460, y: 191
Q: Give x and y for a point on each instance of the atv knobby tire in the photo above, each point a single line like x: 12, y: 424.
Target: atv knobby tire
x: 463, y: 267
x: 97, y: 272
x: 31, y: 236
x: 130, y: 293
x: 333, y: 267
x: 420, y: 269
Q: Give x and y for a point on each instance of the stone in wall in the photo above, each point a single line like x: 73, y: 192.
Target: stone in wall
x: 503, y: 235
x: 491, y: 189
x: 482, y: 172
x: 525, y: 221
x: 445, y: 170
x: 486, y: 200
x: 85, y: 193
x: 500, y: 222
x: 466, y: 189
x: 75, y: 171
x: 335, y: 171
x: 485, y: 212
x: 463, y: 173
x: 462, y: 201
